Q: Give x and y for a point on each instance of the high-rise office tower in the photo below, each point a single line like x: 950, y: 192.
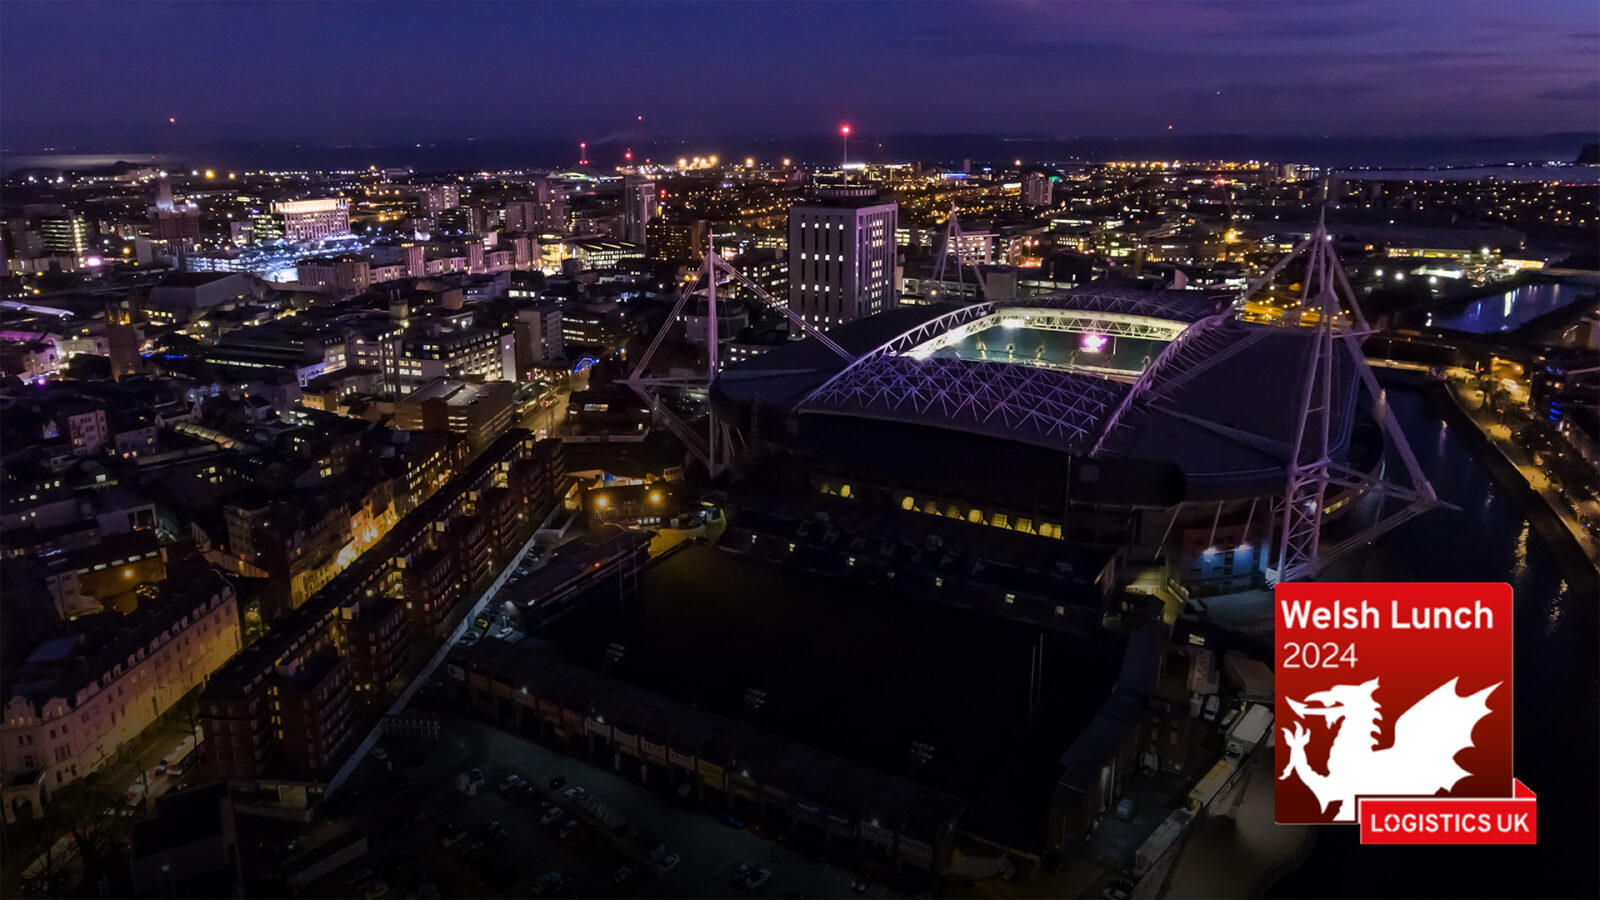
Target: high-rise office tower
x: 436, y: 198
x: 639, y: 207
x: 524, y: 215
x: 842, y: 255
x: 164, y: 195
x: 66, y: 233
x: 1037, y: 190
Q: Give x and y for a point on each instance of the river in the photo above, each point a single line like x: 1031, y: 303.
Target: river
x: 1504, y: 312
x: 1557, y: 691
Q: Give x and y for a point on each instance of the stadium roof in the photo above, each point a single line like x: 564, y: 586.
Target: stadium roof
x: 1212, y: 398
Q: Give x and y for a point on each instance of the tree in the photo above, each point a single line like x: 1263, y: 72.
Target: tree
x: 77, y: 812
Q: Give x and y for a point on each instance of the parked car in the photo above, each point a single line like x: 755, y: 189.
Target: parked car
x: 547, y: 883
x: 375, y: 890
x: 449, y: 833
x: 625, y: 873
x: 509, y: 782
x: 572, y: 792
x: 552, y: 815
x: 488, y: 829
x: 861, y: 885
x: 731, y: 820
x: 743, y: 870
x: 1117, y: 890
x: 669, y: 862
x: 758, y: 879
x: 568, y: 829
x: 362, y: 876
x: 380, y: 754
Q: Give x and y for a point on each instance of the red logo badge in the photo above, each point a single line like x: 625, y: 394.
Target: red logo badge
x: 1401, y: 692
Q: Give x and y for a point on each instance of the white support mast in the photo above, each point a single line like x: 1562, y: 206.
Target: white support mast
x: 954, y: 239
x: 714, y: 450
x: 1312, y: 469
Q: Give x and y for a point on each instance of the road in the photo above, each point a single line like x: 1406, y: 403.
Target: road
x: 550, y: 421
x: 1471, y: 400
x: 132, y: 774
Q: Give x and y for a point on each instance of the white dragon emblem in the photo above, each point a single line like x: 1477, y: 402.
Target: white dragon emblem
x: 1421, y: 762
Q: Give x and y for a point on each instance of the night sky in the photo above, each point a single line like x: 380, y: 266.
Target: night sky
x: 77, y: 73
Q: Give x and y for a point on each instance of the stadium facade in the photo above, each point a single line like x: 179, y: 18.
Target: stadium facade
x: 1153, y: 422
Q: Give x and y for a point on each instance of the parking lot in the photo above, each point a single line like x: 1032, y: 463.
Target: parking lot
x: 404, y: 807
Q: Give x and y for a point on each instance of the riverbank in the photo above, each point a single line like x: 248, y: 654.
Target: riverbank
x: 1573, y: 553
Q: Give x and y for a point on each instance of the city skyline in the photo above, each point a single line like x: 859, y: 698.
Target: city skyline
x: 1070, y: 69
x: 891, y: 450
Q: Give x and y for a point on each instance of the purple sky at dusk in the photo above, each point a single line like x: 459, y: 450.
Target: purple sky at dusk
x: 366, y: 71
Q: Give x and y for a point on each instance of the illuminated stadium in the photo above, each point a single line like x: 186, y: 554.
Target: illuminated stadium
x: 1152, y: 422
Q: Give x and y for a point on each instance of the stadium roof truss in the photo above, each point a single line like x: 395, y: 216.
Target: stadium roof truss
x: 905, y: 379
x: 1041, y: 406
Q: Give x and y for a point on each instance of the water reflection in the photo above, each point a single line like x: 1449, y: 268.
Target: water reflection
x: 1519, y: 556
x: 1504, y: 312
